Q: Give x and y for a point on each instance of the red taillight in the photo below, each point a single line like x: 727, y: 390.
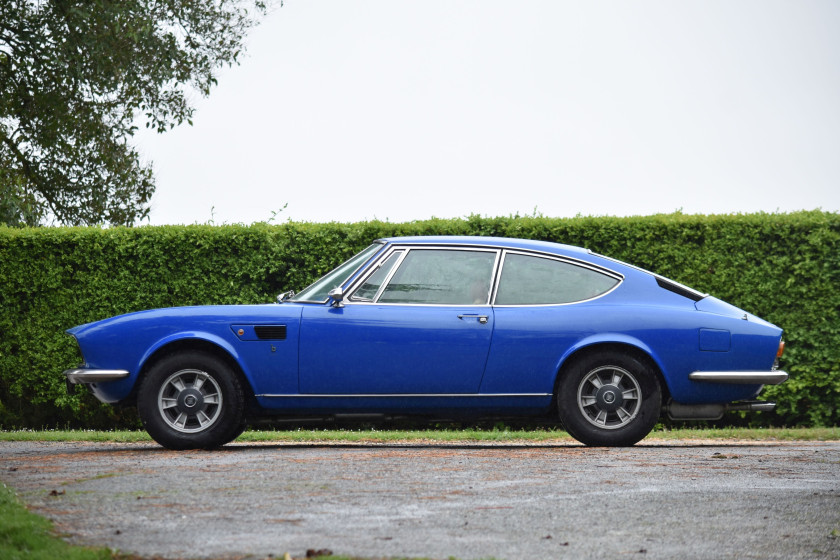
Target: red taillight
x: 781, y: 349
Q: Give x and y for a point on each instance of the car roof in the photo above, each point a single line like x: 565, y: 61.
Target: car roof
x: 481, y: 241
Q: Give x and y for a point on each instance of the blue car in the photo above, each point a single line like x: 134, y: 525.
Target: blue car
x: 443, y: 327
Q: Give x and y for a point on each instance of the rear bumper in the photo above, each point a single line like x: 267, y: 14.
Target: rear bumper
x: 81, y: 375
x: 740, y: 377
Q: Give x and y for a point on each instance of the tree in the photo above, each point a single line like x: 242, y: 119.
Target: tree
x: 77, y: 76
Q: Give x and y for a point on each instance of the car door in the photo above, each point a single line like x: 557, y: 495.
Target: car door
x: 418, y: 323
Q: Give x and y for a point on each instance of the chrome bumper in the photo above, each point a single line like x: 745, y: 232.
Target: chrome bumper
x: 81, y: 375
x: 740, y: 377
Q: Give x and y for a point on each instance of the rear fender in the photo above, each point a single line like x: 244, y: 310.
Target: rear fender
x: 591, y: 343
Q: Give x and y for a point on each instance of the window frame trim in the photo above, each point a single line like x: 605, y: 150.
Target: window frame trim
x: 566, y: 260
x: 364, y: 264
x: 356, y: 286
x: 406, y: 249
x: 498, y: 267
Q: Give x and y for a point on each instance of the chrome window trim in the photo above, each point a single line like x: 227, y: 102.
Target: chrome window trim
x: 566, y: 260
x: 407, y: 248
x: 350, y: 277
x: 391, y: 273
x: 360, y: 281
x: 501, y: 252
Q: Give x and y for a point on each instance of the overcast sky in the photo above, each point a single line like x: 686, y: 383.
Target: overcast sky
x: 404, y: 110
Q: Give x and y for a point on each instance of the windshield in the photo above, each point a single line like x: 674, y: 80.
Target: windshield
x: 319, y: 290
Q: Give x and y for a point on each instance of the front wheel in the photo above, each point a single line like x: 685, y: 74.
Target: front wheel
x: 610, y: 399
x: 191, y: 401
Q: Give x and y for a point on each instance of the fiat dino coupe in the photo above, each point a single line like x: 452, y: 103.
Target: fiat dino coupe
x: 442, y: 327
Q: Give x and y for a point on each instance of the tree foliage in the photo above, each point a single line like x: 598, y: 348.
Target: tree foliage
x: 75, y: 78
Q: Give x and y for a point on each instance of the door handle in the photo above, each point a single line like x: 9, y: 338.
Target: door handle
x: 481, y: 318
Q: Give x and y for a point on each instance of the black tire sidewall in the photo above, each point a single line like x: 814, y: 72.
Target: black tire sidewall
x: 576, y: 423
x: 231, y: 418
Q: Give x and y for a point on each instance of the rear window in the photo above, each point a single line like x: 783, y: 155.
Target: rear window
x: 533, y: 280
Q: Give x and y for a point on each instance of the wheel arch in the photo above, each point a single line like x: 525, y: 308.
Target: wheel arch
x: 204, y: 346
x: 637, y: 351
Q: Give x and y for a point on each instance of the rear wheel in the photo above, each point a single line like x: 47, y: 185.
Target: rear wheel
x: 191, y: 400
x: 609, y: 399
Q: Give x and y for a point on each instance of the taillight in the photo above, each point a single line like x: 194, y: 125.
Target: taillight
x: 779, y: 353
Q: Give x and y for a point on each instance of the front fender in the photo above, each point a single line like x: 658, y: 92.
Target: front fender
x: 201, y: 337
x: 190, y: 336
x: 119, y: 390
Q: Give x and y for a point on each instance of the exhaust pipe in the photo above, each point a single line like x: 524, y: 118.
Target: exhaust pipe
x: 680, y: 411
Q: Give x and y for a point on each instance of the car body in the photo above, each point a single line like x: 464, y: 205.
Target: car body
x: 444, y: 327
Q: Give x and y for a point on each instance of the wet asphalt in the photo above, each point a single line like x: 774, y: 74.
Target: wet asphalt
x: 664, y: 500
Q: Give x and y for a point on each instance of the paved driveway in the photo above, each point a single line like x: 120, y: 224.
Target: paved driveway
x: 682, y: 500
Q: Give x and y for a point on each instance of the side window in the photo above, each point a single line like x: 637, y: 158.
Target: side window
x: 443, y: 277
x: 368, y: 290
x: 530, y: 280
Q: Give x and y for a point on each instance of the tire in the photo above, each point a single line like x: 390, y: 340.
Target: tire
x: 191, y: 400
x: 610, y: 400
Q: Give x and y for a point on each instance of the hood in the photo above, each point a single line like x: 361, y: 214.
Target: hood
x: 177, y: 315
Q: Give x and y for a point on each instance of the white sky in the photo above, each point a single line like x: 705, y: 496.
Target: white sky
x: 404, y: 110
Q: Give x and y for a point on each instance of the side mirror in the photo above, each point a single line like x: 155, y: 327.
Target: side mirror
x: 337, y: 295
x: 285, y: 295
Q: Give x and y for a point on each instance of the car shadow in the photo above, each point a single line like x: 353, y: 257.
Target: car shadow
x: 244, y: 447
x: 571, y: 445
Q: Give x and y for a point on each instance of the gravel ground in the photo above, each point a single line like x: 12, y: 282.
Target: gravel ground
x: 665, y: 500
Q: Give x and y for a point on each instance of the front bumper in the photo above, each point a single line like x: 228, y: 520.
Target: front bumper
x: 740, y: 377
x: 76, y: 376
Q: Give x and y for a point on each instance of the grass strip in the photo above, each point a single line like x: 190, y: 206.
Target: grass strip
x: 469, y: 435
x: 27, y: 536
x: 24, y: 535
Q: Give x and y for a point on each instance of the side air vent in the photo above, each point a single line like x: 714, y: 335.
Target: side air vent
x: 270, y: 332
x: 679, y: 289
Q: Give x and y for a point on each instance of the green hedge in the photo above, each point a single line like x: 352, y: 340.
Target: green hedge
x: 782, y: 267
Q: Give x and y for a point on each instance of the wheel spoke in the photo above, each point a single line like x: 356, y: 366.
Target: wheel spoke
x: 198, y: 383
x: 601, y: 418
x: 212, y: 399
x: 202, y: 418
x: 587, y: 400
x: 623, y: 415
x: 630, y: 394
x: 166, y: 403
x: 178, y: 384
x: 181, y: 421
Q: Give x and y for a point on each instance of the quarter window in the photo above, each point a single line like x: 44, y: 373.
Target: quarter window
x: 443, y: 277
x: 368, y: 290
x: 530, y: 280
